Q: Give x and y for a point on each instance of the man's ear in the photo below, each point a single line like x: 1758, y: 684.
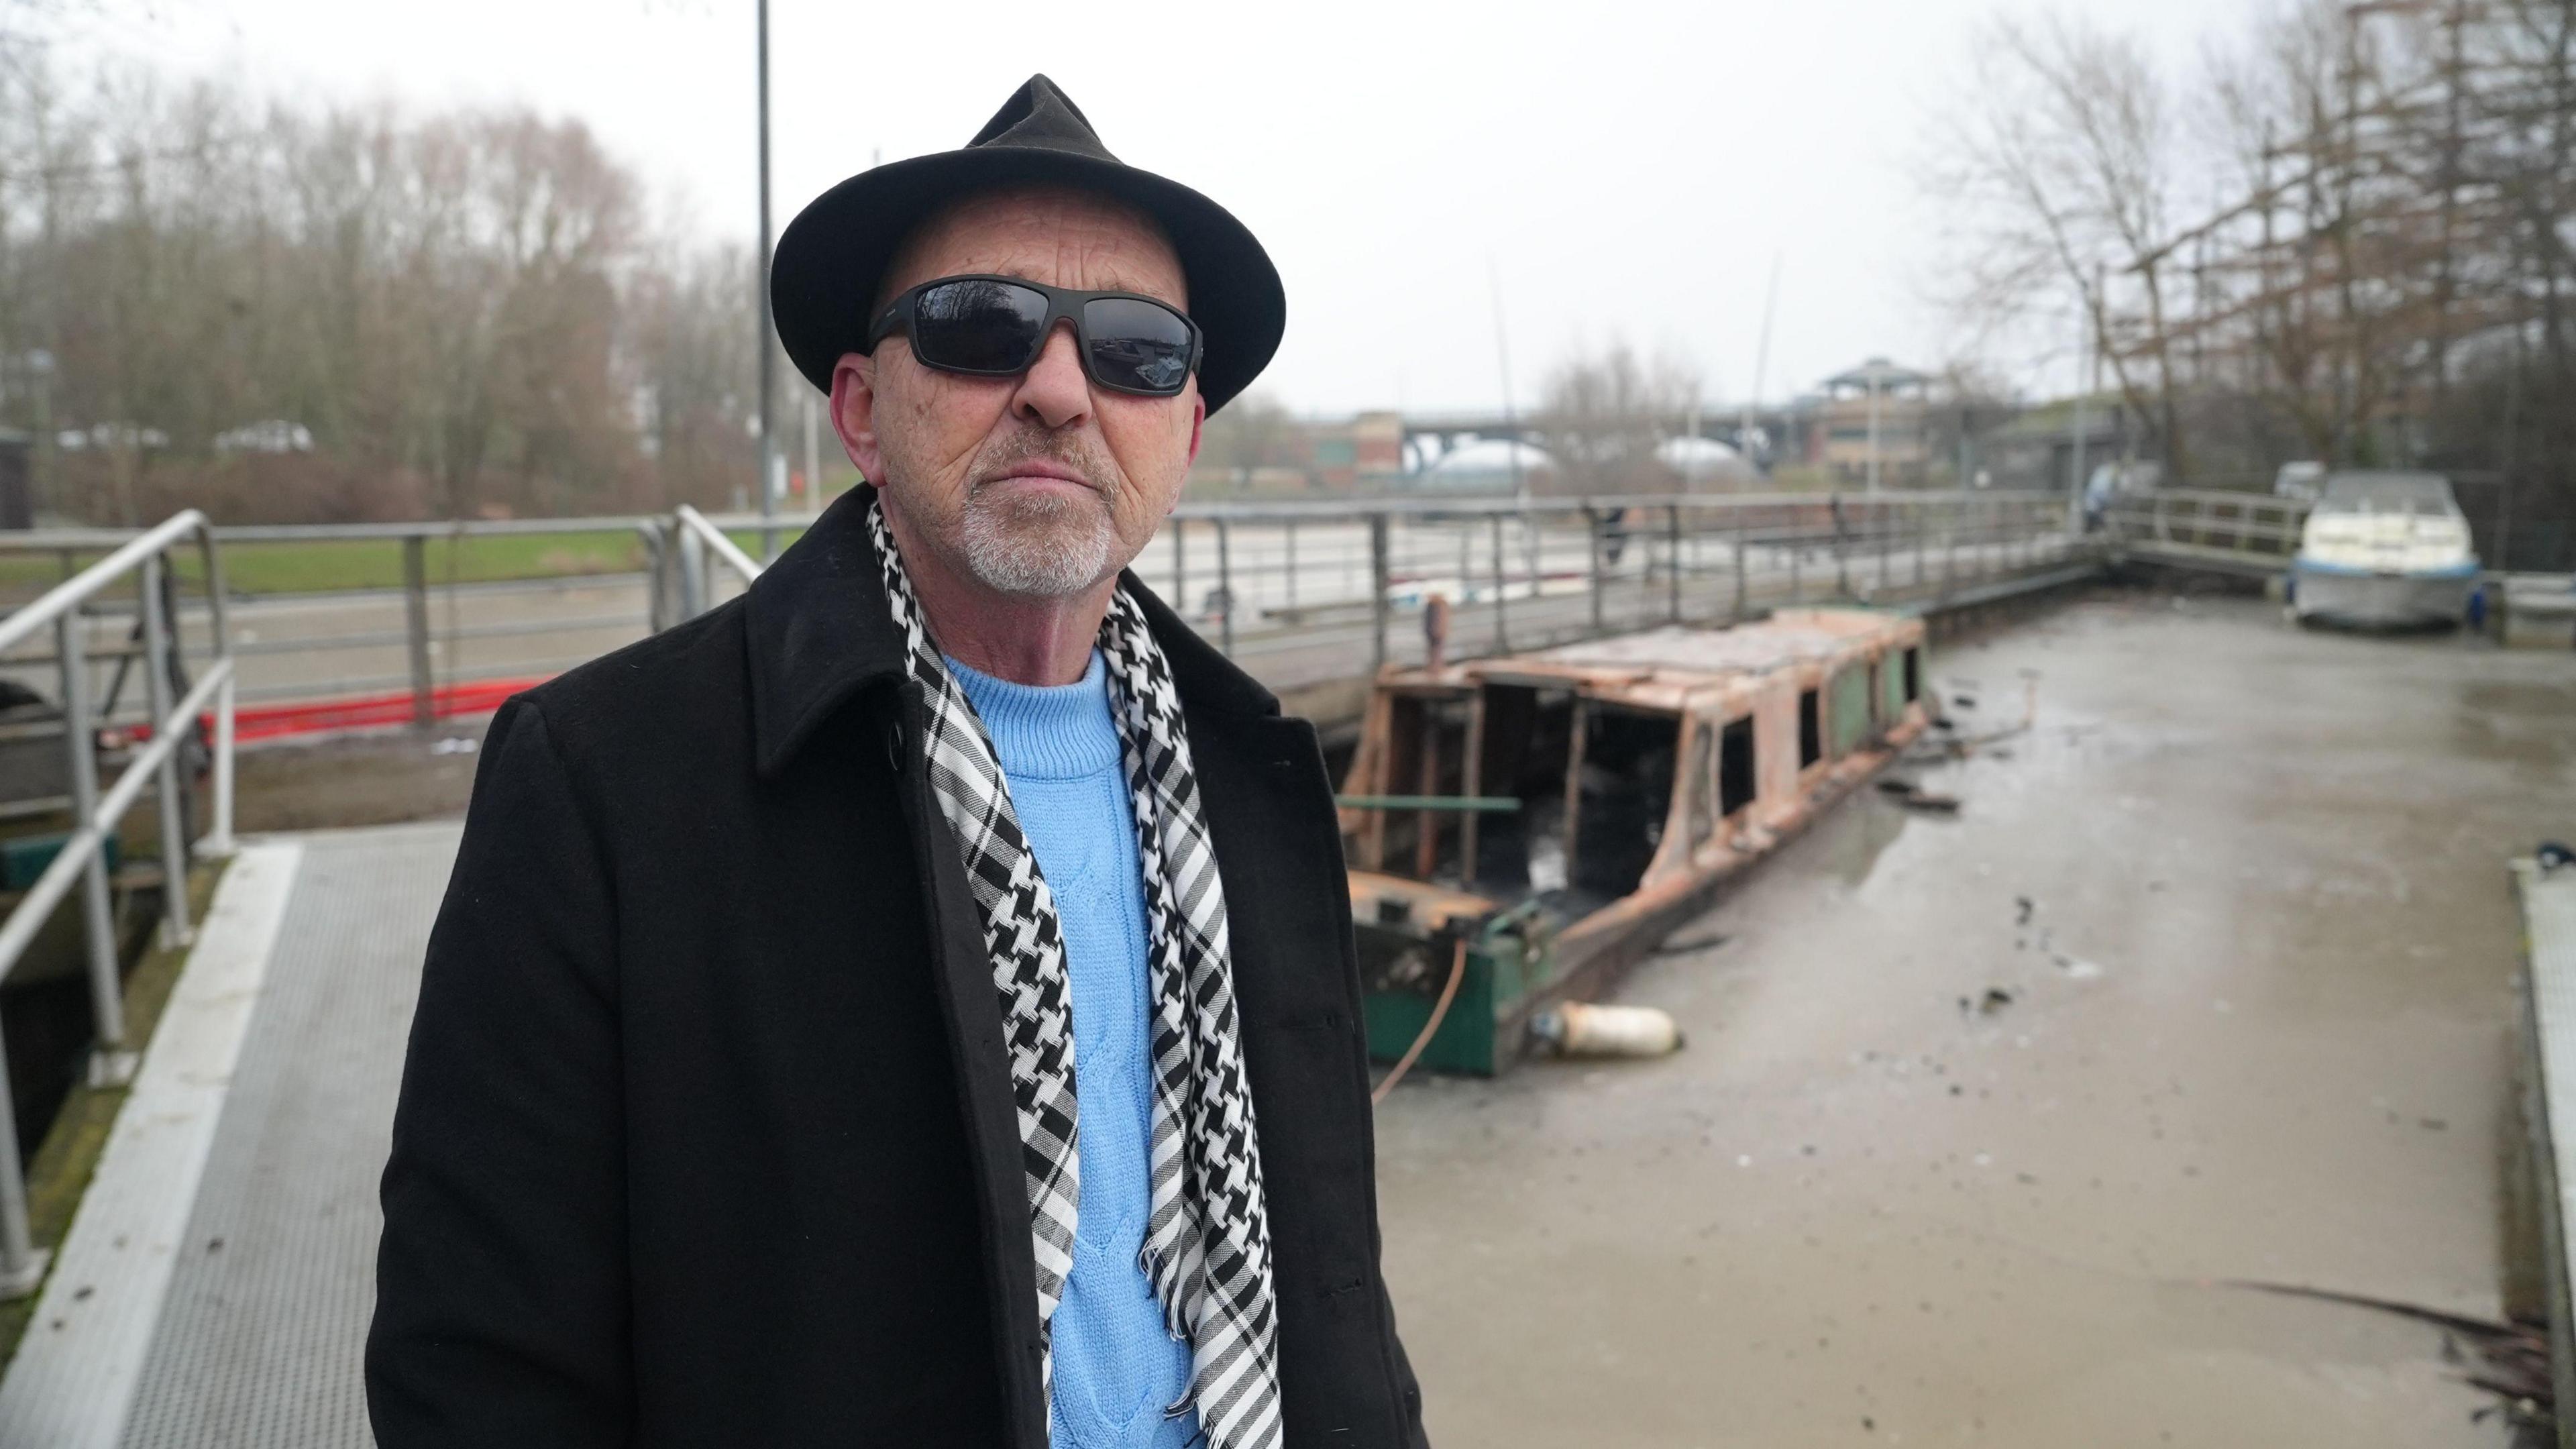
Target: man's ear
x: 1198, y: 427
x: 854, y: 414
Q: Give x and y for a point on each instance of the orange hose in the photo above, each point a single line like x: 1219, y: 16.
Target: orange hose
x: 1439, y: 1009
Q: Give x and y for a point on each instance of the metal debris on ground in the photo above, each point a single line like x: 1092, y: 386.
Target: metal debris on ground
x: 1990, y: 1004
x: 1912, y: 795
x: 2515, y: 1351
x: 1689, y: 944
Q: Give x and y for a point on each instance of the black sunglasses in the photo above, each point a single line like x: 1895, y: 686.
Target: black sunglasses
x: 988, y: 326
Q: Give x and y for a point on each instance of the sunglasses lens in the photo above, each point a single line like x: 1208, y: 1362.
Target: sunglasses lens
x: 1137, y: 346
x: 978, y: 326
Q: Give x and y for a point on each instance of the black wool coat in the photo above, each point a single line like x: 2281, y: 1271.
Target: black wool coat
x: 706, y: 1133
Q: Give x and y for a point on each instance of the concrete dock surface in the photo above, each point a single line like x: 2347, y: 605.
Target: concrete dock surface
x: 2211, y: 979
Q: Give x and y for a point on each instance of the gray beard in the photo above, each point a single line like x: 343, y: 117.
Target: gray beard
x: 1037, y: 547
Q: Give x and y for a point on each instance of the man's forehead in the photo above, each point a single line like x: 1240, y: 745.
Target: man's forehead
x: 1054, y: 235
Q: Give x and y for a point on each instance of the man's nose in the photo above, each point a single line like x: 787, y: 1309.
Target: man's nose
x: 1054, y: 392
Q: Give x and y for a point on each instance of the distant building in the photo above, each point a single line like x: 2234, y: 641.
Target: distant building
x: 2037, y: 449
x: 1361, y: 454
x: 1874, y: 411
x: 1365, y: 454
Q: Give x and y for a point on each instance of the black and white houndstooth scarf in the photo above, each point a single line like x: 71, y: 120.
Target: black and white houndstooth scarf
x: 1207, y: 1246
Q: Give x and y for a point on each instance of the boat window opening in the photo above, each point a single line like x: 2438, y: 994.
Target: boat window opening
x: 1735, y: 774
x: 1913, y: 675
x: 1811, y: 729
x: 1527, y: 734
x: 1877, y: 695
x: 1625, y: 783
x: 1703, y: 772
x: 1426, y: 756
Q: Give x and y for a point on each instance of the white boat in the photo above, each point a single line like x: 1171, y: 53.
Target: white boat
x: 2384, y: 550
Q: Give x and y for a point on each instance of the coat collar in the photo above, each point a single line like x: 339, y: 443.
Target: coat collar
x: 819, y: 632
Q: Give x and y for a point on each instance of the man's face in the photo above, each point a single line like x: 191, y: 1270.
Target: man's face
x: 1038, y: 485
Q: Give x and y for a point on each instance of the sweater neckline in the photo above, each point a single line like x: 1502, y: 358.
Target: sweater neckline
x: 1046, y: 731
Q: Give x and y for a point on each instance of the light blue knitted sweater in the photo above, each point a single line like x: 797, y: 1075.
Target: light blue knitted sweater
x: 1115, y: 1368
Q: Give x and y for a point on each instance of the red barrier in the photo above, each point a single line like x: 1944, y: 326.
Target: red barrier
x: 371, y: 711
x: 360, y: 712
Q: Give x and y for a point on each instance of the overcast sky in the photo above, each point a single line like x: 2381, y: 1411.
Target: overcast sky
x: 1611, y: 169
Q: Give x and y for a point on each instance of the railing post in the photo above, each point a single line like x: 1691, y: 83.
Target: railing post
x: 1377, y: 591
x: 1950, y: 545
x: 1225, y: 585
x: 1842, y: 560
x: 657, y: 577
x: 218, y: 841
x: 416, y: 627
x: 22, y: 1263
x: 693, y: 573
x: 111, y: 1064
x: 1592, y: 532
x: 157, y: 649
x: 1181, y: 566
x: 1878, y: 530
x: 1922, y: 538
x: 1743, y: 530
x: 1673, y: 562
x: 1502, y: 586
x: 1288, y: 540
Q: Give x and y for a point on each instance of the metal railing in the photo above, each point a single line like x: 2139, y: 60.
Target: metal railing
x: 424, y: 624
x: 1295, y: 589
x: 689, y: 540
x: 1275, y: 583
x: 81, y: 860
x: 2250, y: 532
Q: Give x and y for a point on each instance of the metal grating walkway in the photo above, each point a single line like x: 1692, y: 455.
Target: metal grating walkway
x: 260, y: 1335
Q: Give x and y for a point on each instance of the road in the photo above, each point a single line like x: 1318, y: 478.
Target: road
x: 2259, y: 1027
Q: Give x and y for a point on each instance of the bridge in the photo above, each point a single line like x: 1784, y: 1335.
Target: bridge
x: 213, y: 1283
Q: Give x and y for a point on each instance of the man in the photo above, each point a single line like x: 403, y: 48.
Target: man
x: 915, y: 1004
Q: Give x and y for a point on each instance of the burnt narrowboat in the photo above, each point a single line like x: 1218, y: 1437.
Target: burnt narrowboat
x: 1522, y: 828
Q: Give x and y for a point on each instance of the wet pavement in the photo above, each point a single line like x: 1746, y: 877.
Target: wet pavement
x: 2245, y: 889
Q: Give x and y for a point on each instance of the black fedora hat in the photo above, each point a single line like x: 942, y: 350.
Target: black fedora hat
x: 831, y: 258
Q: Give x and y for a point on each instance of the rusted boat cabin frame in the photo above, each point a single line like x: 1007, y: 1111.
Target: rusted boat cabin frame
x: 1747, y: 732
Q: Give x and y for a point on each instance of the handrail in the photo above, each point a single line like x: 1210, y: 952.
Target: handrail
x: 714, y: 538
x: 74, y: 591
x: 1480, y: 504
x: 95, y: 818
x: 692, y: 539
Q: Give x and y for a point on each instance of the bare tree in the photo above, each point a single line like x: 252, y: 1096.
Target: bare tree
x: 2059, y: 168
x: 1604, y: 415
x: 462, y: 311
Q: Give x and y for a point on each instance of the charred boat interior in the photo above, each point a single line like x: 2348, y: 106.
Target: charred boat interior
x: 1529, y: 824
